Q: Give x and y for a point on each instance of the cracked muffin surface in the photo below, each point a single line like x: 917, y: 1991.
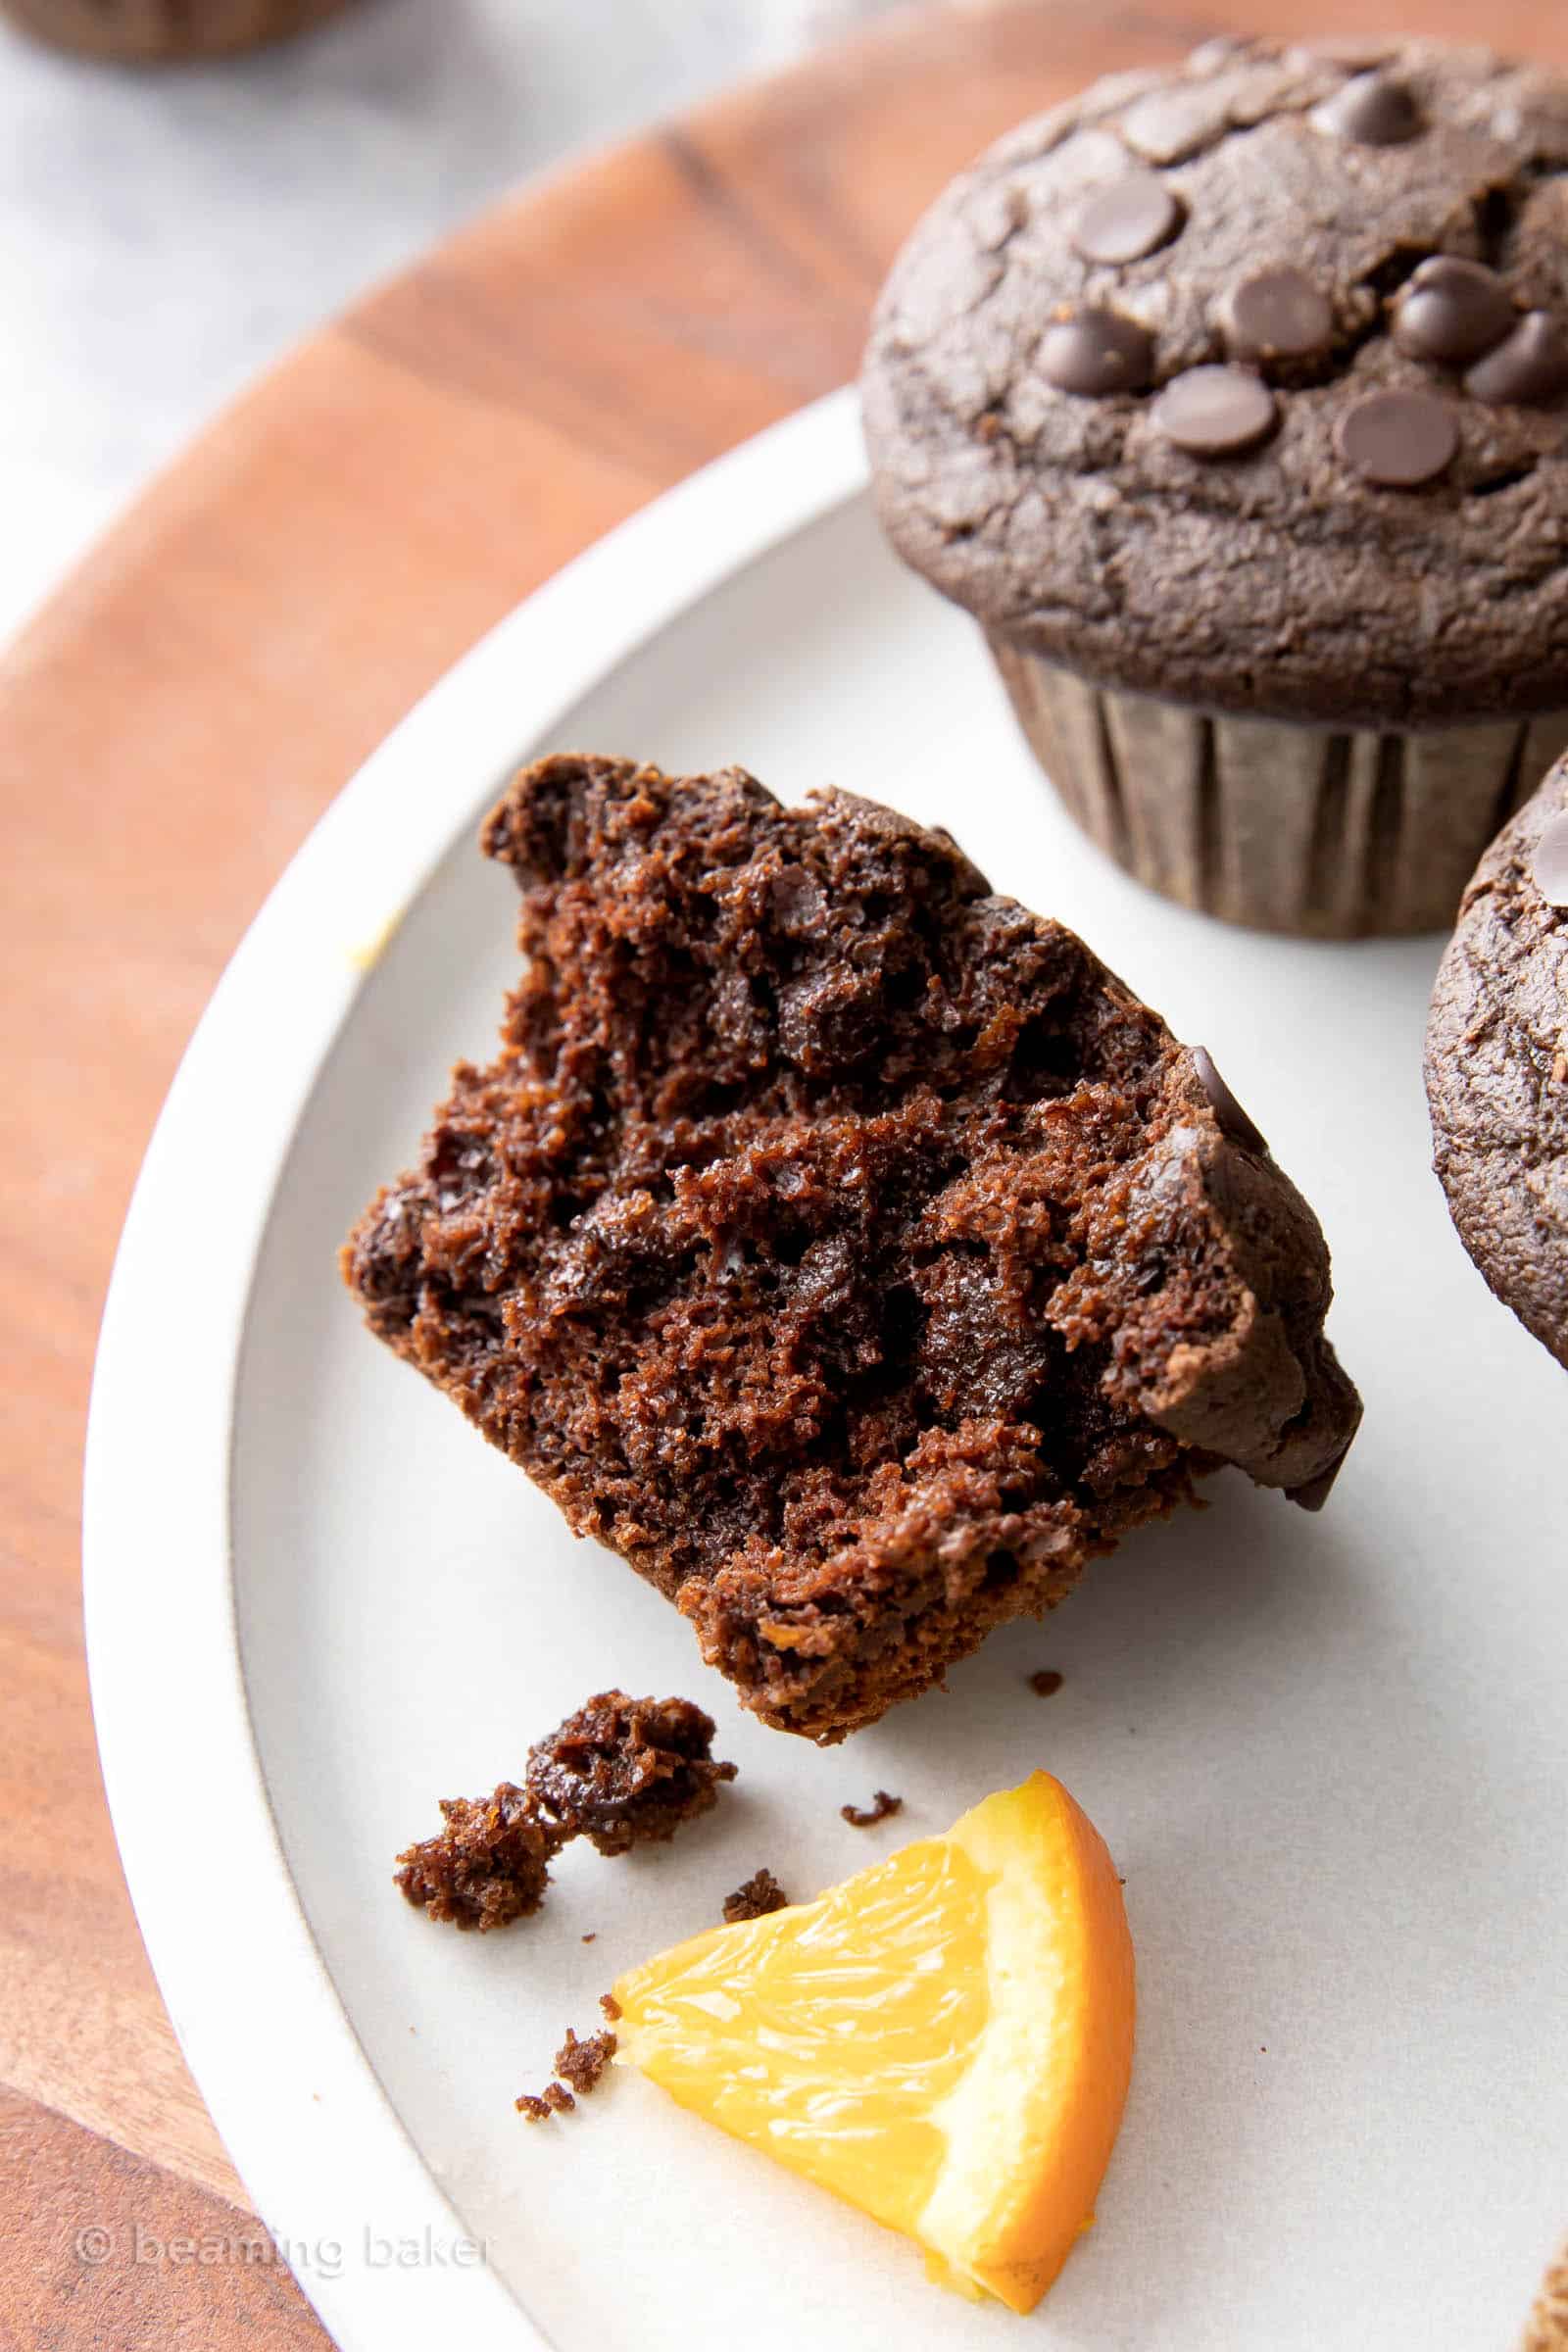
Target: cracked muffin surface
x: 1497, y: 1066
x: 838, y: 1242
x: 1127, y: 387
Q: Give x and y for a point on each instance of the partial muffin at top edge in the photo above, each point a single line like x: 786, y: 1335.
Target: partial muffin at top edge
x: 1497, y: 1066
x: 149, y: 31
x: 1230, y: 401
x: 1241, y: 545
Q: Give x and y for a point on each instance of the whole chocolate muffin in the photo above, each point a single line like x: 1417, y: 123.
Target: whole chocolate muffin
x: 1497, y: 1066
x: 839, y: 1242
x: 1231, y: 402
x: 164, y: 29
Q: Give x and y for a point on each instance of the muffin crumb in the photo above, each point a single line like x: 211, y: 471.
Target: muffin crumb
x: 1046, y: 1683
x: 620, y: 1771
x: 487, y: 1867
x: 1547, y: 2329
x: 760, y: 1894
x: 537, y: 2107
x: 866, y: 1817
x: 610, y: 2005
x: 582, y: 2063
x: 624, y: 1772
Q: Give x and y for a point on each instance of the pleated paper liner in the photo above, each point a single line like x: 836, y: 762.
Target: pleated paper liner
x: 150, y: 30
x: 1334, y: 835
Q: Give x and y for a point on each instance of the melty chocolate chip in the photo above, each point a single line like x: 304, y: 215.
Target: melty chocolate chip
x: 1097, y: 352
x: 1398, y: 440
x: 1549, y: 868
x: 1215, y: 411
x: 1453, y: 310
x: 1229, y: 1116
x: 1374, y: 110
x: 1314, y: 1493
x: 1530, y: 369
x: 1278, y: 315
x: 1131, y: 218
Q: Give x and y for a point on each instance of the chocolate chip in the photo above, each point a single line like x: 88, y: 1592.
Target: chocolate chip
x: 1398, y: 440
x: 1373, y: 111
x: 1097, y: 352
x: 1313, y: 1493
x: 1453, y: 310
x: 1530, y: 369
x: 1278, y: 315
x: 1215, y: 411
x: 1231, y: 1120
x: 1130, y: 218
x: 1548, y: 869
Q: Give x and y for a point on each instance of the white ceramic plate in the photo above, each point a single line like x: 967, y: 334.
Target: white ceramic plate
x: 1329, y: 1753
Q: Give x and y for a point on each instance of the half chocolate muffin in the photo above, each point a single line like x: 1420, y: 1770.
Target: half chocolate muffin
x: 841, y: 1244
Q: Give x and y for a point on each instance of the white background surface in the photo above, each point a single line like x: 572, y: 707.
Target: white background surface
x: 168, y: 233
x: 1327, y: 1752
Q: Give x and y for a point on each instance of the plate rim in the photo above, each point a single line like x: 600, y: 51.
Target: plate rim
x: 301, y: 2111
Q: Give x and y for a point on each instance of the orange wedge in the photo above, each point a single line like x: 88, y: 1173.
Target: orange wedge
x: 945, y: 2039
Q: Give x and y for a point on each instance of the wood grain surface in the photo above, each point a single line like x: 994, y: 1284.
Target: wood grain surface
x: 170, y: 728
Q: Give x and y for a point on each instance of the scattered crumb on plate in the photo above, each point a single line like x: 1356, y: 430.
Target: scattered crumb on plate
x: 866, y: 1817
x: 581, y: 2062
x: 760, y: 1894
x: 488, y: 1866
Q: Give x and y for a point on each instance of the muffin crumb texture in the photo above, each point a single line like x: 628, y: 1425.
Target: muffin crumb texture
x: 537, y: 2107
x: 838, y: 1242
x: 582, y: 2063
x: 624, y: 1772
x: 620, y: 1771
x: 486, y: 1867
x: 760, y: 1894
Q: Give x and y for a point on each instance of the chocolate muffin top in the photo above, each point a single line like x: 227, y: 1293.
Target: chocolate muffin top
x: 1497, y: 1066
x: 1245, y: 385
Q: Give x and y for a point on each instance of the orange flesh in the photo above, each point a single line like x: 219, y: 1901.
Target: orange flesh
x: 944, y: 2040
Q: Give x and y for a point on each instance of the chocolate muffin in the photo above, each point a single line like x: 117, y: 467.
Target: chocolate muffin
x: 150, y: 30
x: 1231, y: 402
x: 840, y: 1243
x: 1497, y: 1066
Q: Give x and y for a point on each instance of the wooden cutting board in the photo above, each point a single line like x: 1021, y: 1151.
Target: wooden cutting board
x: 173, y: 724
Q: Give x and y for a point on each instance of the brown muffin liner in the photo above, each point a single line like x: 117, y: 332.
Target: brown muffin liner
x: 1291, y: 828
x: 164, y: 29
